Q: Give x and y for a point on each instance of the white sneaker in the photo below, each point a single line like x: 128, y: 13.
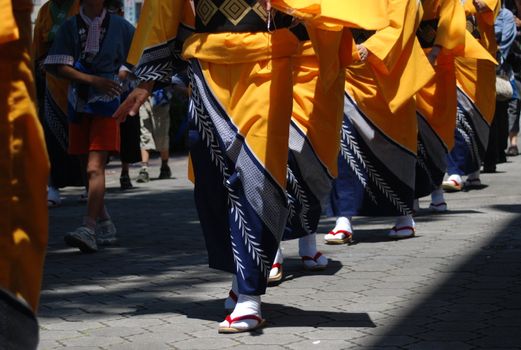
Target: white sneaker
x: 106, y: 233
x: 83, y: 238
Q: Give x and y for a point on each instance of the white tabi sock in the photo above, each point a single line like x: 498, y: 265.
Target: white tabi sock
x: 343, y: 224
x: 230, y: 302
x: 307, y: 246
x: 405, y: 220
x: 403, y: 227
x: 437, y: 196
x: 279, y: 259
x: 246, y: 305
x: 455, y: 177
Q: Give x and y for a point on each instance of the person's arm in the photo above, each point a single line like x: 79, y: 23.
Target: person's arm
x: 130, y: 107
x: 104, y: 85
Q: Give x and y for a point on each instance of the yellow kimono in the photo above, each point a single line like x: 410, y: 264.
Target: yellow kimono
x: 379, y: 136
x: 444, y: 25
x: 242, y: 83
x: 477, y: 77
x: 476, y: 93
x: 313, y: 140
x: 23, y: 164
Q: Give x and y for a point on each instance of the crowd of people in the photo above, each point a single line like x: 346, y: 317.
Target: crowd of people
x: 297, y: 109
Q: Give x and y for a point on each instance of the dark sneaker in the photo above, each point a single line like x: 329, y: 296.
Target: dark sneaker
x: 106, y: 233
x: 125, y: 183
x: 143, y: 176
x: 83, y: 238
x: 165, y: 172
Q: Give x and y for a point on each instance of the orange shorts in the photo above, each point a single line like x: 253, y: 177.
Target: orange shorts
x: 94, y: 134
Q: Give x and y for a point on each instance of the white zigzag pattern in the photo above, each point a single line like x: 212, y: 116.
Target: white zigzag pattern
x: 204, y: 125
x: 158, y: 72
x: 372, y: 173
x: 300, y: 195
x: 467, y: 132
x: 422, y: 156
x: 347, y: 147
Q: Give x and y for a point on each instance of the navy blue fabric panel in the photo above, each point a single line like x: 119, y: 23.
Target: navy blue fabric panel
x: 428, y: 176
x: 461, y: 160
x: 365, y: 186
x: 305, y: 208
x: 211, y: 199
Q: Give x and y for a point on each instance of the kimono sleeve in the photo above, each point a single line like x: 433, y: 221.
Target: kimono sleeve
x: 331, y: 14
x: 154, y: 47
x: 62, y: 51
x: 452, y: 26
x: 8, y: 28
x: 387, y: 44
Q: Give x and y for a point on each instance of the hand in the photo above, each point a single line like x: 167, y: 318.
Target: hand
x: 266, y: 4
x: 136, y: 98
x: 518, y: 22
x: 433, y: 54
x: 480, y: 5
x: 107, y: 86
x: 362, y: 52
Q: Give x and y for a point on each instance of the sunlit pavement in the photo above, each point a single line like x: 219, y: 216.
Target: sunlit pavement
x: 456, y: 285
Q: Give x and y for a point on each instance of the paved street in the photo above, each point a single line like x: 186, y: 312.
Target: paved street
x: 457, y: 285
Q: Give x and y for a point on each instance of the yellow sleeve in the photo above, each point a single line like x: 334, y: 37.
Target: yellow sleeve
x: 8, y: 28
x: 452, y: 26
x: 158, y: 25
x: 334, y: 14
x: 388, y: 44
x: 474, y: 49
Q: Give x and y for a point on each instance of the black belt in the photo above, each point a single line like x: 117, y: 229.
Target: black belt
x: 252, y: 21
x: 300, y: 32
x: 361, y: 35
x: 426, y: 32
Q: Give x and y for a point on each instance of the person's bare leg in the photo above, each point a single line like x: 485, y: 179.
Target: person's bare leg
x: 145, y: 157
x: 96, y: 174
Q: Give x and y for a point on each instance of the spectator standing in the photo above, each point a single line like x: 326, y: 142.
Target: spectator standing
x: 154, y: 117
x: 89, y: 50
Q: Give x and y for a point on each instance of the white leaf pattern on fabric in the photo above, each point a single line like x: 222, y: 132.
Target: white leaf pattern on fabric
x: 350, y: 150
x: 204, y: 126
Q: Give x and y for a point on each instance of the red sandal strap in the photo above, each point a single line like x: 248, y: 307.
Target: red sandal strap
x: 334, y: 233
x: 231, y: 320
x: 456, y: 182
x: 276, y: 266
x: 315, y: 258
x: 233, y: 296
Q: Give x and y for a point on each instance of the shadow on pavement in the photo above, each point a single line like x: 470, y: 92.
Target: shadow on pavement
x: 478, y: 306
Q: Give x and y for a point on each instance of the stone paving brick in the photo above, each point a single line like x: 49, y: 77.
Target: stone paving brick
x: 93, y: 341
x: 438, y: 345
x: 455, y: 286
x: 321, y: 344
x: 222, y: 342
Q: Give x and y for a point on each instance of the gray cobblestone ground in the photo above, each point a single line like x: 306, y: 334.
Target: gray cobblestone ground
x: 457, y: 285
